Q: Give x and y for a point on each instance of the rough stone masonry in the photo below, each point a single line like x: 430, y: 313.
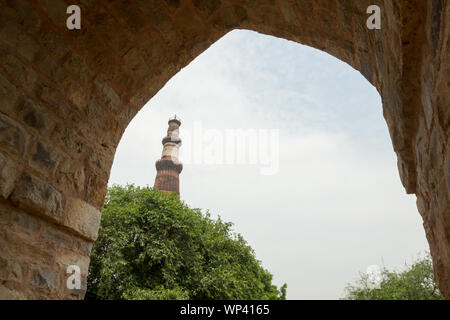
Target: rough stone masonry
x: 66, y: 97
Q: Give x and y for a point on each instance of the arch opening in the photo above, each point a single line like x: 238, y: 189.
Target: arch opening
x: 67, y: 97
x: 335, y: 180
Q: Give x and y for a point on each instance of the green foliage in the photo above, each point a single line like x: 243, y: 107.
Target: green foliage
x: 152, y: 246
x: 416, y: 282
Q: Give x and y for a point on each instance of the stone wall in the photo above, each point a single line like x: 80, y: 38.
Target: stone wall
x: 66, y: 96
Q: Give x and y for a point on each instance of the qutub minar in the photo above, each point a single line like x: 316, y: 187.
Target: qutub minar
x: 169, y: 167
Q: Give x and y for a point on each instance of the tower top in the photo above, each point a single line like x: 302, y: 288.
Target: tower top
x: 175, y: 119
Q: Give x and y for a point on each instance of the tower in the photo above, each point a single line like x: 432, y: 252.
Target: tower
x: 168, y: 167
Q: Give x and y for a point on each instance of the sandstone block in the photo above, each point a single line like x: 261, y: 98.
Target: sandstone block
x: 20, y: 72
x: 78, y: 66
x: 10, y: 269
x: 46, y: 63
x: 37, y: 196
x: 32, y: 114
x: 10, y: 294
x: 96, y: 188
x: 76, y: 94
x: 54, y: 100
x: 108, y: 95
x: 26, y: 221
x: 19, y: 40
x: 8, y: 94
x: 288, y: 12
x: 135, y: 61
x: 12, y: 135
x: 58, y: 237
x: 9, y: 173
x: 24, y: 246
x: 21, y: 12
x: 82, y: 217
x: 207, y: 7
x: 53, y: 41
x: 165, y: 26
x: 44, y: 158
x: 44, y: 279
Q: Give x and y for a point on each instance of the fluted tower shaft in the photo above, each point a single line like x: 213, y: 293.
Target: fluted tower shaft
x: 169, y: 167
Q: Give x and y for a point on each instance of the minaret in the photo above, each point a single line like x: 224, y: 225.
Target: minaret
x: 168, y: 167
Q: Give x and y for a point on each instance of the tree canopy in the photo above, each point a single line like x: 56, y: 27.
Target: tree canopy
x: 153, y: 246
x: 416, y: 282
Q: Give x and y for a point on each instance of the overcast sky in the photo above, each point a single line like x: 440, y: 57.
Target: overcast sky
x: 332, y: 206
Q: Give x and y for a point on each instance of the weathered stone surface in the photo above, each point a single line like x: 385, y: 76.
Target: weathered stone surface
x: 82, y: 217
x: 43, y: 157
x: 12, y: 136
x: 10, y: 294
x: 27, y: 222
x: 78, y: 66
x: 136, y: 62
x: 58, y: 237
x: 20, y: 245
x: 72, y: 143
x: 21, y: 13
x: 66, y: 97
x: 32, y: 114
x: 8, y: 94
x: 436, y: 16
x: 38, y: 197
x: 9, y: 173
x: 207, y: 7
x: 53, y: 42
x: 107, y: 94
x: 10, y: 270
x: 77, y: 94
x: 72, y: 174
x: 44, y: 279
x: 96, y: 188
x: 20, y: 72
x: 53, y: 100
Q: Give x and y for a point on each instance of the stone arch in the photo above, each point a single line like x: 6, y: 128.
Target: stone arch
x: 67, y: 96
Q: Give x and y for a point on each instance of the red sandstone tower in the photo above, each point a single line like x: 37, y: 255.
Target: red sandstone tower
x: 168, y: 167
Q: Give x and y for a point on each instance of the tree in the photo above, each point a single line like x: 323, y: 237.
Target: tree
x: 416, y: 282
x: 153, y: 246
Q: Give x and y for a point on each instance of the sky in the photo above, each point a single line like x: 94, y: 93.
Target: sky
x: 314, y: 189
